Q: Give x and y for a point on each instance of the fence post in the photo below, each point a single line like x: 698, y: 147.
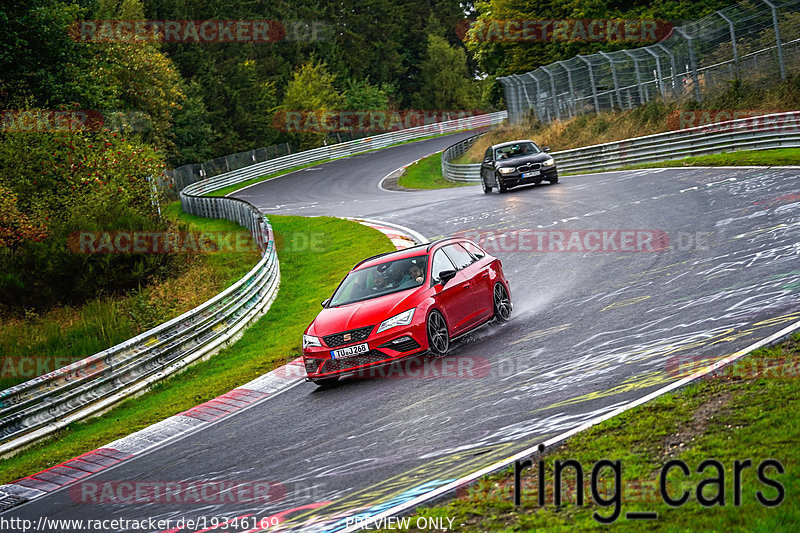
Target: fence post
x: 778, y: 44
x: 553, y: 88
x: 591, y: 80
x: 571, y: 99
x: 613, y: 77
x: 643, y: 96
x: 661, y: 89
x: 692, y: 62
x: 531, y: 104
x: 673, y: 69
x: 733, y: 42
x: 538, y: 104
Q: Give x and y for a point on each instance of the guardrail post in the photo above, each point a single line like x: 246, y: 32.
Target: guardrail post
x: 553, y: 88
x: 591, y: 80
x: 733, y: 42
x: 571, y: 99
x: 692, y: 62
x: 778, y: 44
x: 613, y: 77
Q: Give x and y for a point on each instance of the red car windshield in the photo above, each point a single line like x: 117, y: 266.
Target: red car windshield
x: 379, y: 280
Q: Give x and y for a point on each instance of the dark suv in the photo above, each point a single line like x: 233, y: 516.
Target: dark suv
x: 515, y: 163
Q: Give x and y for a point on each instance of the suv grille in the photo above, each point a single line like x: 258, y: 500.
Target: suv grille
x: 356, y: 335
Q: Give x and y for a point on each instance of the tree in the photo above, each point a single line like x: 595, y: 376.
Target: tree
x: 445, y: 80
x: 312, y: 88
x: 360, y: 95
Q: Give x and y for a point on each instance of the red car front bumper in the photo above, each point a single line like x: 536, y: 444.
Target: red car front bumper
x: 384, y: 348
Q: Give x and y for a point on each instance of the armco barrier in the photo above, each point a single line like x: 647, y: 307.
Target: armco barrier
x: 778, y: 130
x: 36, y: 408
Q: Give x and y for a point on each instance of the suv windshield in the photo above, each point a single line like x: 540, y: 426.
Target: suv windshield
x: 516, y: 150
x: 379, y: 280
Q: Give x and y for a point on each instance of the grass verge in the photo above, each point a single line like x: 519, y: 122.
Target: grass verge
x: 774, y: 157
x: 309, y: 273
x: 748, y: 411
x: 69, y: 333
x: 426, y: 174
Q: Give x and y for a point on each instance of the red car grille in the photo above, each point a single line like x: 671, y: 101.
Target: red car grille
x: 355, y: 335
x: 337, y: 365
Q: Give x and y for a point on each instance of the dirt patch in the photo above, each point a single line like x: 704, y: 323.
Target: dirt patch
x: 713, y: 407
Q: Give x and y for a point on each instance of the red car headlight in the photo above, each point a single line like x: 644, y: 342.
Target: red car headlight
x: 311, y: 341
x: 403, y: 319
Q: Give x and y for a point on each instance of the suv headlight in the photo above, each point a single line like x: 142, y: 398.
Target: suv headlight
x: 310, y: 340
x: 549, y: 163
x: 506, y: 170
x: 403, y: 319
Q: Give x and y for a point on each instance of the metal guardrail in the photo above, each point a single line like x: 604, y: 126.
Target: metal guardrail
x: 778, y: 130
x: 335, y: 151
x: 38, y: 407
x: 460, y: 172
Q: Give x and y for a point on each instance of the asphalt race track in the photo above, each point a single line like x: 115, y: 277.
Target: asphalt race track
x: 591, y: 330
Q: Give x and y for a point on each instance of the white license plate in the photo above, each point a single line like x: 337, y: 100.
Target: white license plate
x: 531, y: 174
x: 350, y: 351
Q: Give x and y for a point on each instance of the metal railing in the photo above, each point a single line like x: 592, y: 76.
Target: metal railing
x: 758, y: 41
x: 778, y: 130
x: 38, y: 407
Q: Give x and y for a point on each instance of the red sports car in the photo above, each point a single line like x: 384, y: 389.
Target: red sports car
x: 402, y: 303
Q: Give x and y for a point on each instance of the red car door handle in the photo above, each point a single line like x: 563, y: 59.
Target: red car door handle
x: 465, y: 286
x: 485, y: 275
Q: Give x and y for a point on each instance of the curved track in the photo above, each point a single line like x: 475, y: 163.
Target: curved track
x: 590, y: 331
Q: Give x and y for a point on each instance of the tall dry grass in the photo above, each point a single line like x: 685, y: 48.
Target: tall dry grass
x: 653, y: 117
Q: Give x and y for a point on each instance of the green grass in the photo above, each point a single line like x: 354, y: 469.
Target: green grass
x: 314, y: 255
x: 741, y: 414
x: 38, y: 344
x: 774, y: 157
x: 427, y: 174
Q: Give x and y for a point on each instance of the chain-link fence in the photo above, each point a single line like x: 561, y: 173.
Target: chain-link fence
x: 757, y: 41
x: 175, y: 180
